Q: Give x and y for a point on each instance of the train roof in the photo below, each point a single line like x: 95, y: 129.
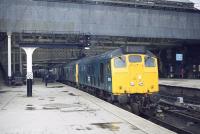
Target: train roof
x: 127, y: 50
x: 118, y: 52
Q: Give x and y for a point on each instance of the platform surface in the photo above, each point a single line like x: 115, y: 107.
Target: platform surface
x: 188, y: 83
x: 60, y: 109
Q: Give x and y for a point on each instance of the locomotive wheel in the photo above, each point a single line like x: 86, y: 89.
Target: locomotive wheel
x: 135, y: 108
x: 112, y: 99
x: 109, y: 99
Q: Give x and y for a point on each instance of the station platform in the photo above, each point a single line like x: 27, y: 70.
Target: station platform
x: 60, y: 109
x: 185, y: 83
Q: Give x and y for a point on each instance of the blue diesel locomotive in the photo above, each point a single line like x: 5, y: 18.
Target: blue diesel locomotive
x: 128, y: 75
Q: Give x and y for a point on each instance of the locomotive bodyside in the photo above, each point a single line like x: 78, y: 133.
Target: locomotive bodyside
x: 93, y: 72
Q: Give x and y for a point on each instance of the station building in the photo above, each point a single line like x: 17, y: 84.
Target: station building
x: 62, y: 29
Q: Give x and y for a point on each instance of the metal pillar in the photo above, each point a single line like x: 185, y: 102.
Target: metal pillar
x: 9, y: 58
x: 29, y: 51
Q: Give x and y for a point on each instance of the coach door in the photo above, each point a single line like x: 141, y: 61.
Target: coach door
x: 102, y: 74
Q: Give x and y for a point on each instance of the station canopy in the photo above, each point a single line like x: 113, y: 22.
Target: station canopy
x: 184, y: 1
x: 125, y: 1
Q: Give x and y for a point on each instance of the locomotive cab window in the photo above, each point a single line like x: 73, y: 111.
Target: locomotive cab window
x: 120, y: 62
x: 149, y: 61
x: 135, y: 58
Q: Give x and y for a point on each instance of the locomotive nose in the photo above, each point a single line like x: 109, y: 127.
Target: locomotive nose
x: 132, y: 83
x: 140, y: 81
x: 139, y: 77
x: 137, y: 81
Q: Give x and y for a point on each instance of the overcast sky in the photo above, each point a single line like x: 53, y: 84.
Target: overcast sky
x: 197, y: 3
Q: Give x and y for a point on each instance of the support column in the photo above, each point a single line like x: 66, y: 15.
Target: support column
x: 29, y: 51
x: 9, y: 59
x: 20, y: 60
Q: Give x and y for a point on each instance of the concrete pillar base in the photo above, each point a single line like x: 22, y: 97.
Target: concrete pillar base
x: 9, y: 81
x: 29, y: 87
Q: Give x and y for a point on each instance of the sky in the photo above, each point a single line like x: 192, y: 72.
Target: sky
x: 197, y: 3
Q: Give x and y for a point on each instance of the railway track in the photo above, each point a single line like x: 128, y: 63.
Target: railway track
x: 191, y: 100
x: 169, y: 126
x: 181, y: 118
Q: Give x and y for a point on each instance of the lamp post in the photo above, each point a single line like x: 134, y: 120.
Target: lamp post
x: 29, y: 51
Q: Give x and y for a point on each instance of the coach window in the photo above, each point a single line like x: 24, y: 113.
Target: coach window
x: 135, y: 58
x: 149, y: 61
x: 120, y: 62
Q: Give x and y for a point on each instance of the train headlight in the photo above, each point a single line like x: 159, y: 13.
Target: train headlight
x: 109, y: 79
x: 140, y: 83
x: 132, y: 84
